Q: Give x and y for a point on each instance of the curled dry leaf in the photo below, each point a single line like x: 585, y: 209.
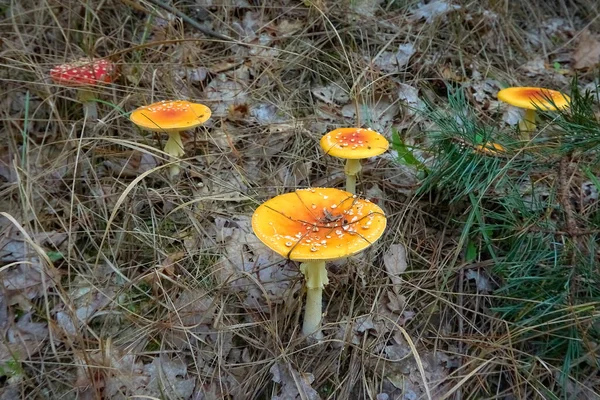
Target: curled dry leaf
x: 481, y: 281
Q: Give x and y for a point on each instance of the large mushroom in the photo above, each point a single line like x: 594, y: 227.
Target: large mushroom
x: 313, y: 226
x: 171, y: 117
x: 353, y: 144
x: 532, y: 99
x: 84, y: 74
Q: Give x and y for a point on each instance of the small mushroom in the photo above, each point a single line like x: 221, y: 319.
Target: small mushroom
x: 84, y: 74
x: 531, y: 99
x: 353, y: 144
x: 315, y: 225
x: 171, y: 117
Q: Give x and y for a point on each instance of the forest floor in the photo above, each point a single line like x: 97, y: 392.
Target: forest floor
x: 120, y: 282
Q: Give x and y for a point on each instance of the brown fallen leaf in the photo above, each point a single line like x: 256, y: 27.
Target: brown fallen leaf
x: 395, y: 264
x: 23, y: 340
x: 292, y: 383
x: 587, y: 53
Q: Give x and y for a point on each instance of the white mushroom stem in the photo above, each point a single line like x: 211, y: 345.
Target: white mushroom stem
x: 174, y: 147
x: 527, y: 124
x: 315, y: 274
x: 352, y: 169
x: 90, y: 109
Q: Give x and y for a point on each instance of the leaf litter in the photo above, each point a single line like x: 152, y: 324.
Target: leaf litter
x: 230, y: 83
x: 250, y: 267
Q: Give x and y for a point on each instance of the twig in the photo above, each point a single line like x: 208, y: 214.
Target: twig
x: 191, y: 21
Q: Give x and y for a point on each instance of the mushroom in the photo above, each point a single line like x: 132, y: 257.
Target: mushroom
x: 353, y: 144
x: 531, y: 99
x: 85, y: 73
x: 171, y: 117
x: 315, y: 225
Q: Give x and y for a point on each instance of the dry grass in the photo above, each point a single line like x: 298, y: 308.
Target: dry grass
x: 153, y: 257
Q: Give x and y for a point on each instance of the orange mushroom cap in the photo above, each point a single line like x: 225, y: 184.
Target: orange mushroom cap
x: 533, y: 98
x: 83, y: 72
x: 170, y: 116
x: 354, y: 143
x: 318, y: 224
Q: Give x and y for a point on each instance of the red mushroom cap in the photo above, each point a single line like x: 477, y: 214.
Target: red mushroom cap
x: 83, y: 72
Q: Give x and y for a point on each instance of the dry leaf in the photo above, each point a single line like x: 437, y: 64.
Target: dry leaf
x: 293, y: 384
x: 23, y: 281
x: 88, y: 301
x: 133, y: 166
x: 222, y: 92
x: 247, y: 256
x: 409, y: 95
x: 378, y: 115
x: 267, y: 114
x: 192, y: 316
x: 332, y: 93
x: 513, y: 115
x: 390, y: 62
x: 433, y: 10
x: 481, y: 281
x: 168, y: 376
x: 366, y: 8
x: 587, y: 53
x: 395, y: 263
x: 23, y: 340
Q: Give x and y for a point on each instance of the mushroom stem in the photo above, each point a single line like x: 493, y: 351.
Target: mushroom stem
x: 174, y: 145
x: 527, y: 124
x: 90, y: 109
x: 315, y: 274
x: 352, y: 169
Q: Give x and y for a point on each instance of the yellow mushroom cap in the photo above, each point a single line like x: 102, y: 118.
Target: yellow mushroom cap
x: 318, y: 224
x: 170, y: 116
x: 354, y: 143
x: 533, y: 98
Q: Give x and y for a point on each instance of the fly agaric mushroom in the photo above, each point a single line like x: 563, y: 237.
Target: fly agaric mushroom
x: 84, y: 74
x: 171, y: 117
x: 531, y: 99
x: 353, y: 144
x: 315, y: 225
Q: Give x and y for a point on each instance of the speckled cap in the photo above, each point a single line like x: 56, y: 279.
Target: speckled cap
x: 354, y: 143
x: 83, y: 72
x: 174, y: 116
x: 318, y: 224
